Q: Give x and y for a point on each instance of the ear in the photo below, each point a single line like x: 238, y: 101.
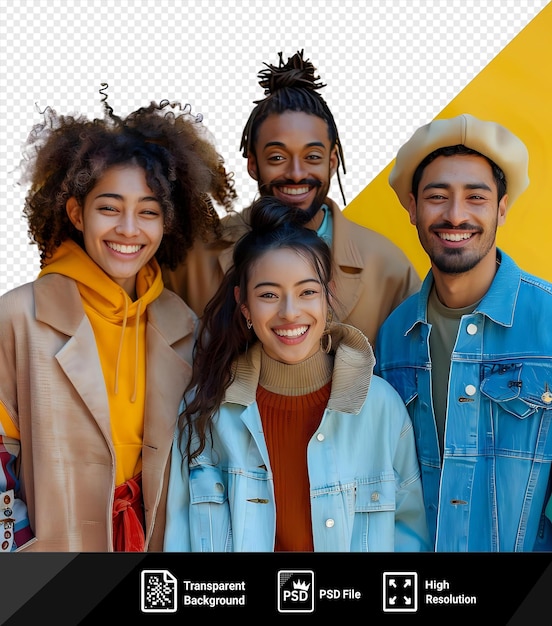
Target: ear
x: 412, y: 208
x: 74, y: 213
x: 502, y: 209
x: 334, y: 161
x: 243, y: 308
x: 252, y: 169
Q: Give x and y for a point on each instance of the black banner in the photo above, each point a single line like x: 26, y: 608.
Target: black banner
x: 70, y: 589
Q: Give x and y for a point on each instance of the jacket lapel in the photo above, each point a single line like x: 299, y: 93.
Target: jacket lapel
x: 169, y: 343
x: 58, y: 304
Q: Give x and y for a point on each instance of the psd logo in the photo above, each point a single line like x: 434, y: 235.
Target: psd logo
x: 295, y: 591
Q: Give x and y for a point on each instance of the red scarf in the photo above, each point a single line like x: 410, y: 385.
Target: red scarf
x: 128, y: 517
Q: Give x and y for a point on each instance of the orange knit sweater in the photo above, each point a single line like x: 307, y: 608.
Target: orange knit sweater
x: 289, y: 422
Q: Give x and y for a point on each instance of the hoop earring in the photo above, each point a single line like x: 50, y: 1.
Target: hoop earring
x: 249, y: 324
x: 327, y: 348
x: 327, y: 333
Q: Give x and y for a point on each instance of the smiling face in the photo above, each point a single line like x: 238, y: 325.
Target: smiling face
x: 121, y: 223
x: 294, y: 159
x: 287, y: 305
x: 457, y: 213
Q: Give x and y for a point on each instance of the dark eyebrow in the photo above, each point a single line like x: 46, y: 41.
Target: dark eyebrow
x: 117, y: 196
x: 301, y: 282
x: 447, y: 186
x: 280, y: 144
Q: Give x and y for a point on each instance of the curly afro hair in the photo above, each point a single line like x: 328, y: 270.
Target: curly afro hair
x: 65, y: 156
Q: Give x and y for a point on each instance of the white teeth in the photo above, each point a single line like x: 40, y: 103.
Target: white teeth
x: 295, y: 332
x: 124, y: 249
x: 294, y: 191
x: 454, y: 236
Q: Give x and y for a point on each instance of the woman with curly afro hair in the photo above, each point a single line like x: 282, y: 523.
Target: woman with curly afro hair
x: 95, y: 353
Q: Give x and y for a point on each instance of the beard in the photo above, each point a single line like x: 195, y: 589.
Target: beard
x: 267, y: 189
x: 455, y: 261
x: 461, y: 260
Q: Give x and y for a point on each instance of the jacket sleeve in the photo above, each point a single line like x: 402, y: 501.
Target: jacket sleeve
x: 14, y: 521
x: 177, y: 529
x: 411, y: 532
x: 15, y: 529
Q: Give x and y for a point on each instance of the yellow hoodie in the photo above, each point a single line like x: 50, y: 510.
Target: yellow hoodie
x: 119, y: 326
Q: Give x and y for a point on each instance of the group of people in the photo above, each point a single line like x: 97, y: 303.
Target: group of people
x: 185, y: 376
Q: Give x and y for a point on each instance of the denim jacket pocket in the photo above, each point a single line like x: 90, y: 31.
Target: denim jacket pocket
x: 210, y: 526
x: 207, y: 485
x: 519, y: 388
x: 375, y: 495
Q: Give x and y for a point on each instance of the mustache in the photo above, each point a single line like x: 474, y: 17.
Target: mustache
x: 266, y: 187
x: 449, y: 226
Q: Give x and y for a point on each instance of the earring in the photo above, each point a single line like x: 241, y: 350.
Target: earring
x: 327, y: 348
x: 249, y: 324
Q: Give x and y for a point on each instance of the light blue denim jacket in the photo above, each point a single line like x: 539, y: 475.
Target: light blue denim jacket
x: 364, y: 476
x: 494, y: 480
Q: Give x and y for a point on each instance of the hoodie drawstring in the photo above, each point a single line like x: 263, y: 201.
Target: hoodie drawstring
x: 136, y: 349
x: 121, y: 347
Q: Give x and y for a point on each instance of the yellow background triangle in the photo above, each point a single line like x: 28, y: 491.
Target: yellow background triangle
x: 515, y: 90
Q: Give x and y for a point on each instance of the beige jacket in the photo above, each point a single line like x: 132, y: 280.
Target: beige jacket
x: 67, y: 460
x: 372, y: 276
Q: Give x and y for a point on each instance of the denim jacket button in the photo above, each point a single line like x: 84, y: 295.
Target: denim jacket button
x: 472, y: 329
x: 375, y: 496
x: 330, y: 523
x: 219, y: 487
x: 320, y: 437
x: 470, y: 390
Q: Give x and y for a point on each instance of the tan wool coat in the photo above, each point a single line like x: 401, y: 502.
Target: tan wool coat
x: 67, y: 460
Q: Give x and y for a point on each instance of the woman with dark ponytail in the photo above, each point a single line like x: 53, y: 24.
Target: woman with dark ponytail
x: 286, y: 441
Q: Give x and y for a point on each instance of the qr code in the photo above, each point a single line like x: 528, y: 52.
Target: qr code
x: 158, y: 591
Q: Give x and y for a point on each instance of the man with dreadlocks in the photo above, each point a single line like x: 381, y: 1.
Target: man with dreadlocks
x: 95, y: 354
x: 293, y: 150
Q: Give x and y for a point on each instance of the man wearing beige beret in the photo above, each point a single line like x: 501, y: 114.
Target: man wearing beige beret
x: 471, y: 352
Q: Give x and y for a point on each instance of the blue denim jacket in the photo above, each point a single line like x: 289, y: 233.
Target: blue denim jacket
x: 494, y: 480
x: 365, y: 486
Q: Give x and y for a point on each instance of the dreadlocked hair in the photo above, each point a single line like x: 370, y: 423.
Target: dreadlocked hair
x: 65, y: 156
x: 291, y: 86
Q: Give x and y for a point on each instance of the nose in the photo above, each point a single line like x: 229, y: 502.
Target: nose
x: 296, y: 170
x: 455, y: 212
x: 127, y: 225
x: 289, y: 309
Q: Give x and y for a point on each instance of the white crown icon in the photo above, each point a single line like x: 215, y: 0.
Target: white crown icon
x: 301, y: 585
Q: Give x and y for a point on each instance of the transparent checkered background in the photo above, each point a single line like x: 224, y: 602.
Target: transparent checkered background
x: 389, y: 66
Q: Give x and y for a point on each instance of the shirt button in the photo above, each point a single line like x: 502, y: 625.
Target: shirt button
x: 219, y: 487
x: 472, y: 329
x: 330, y: 523
x: 375, y: 496
x: 320, y: 437
x: 470, y: 390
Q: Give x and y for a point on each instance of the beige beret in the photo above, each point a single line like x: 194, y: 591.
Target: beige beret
x: 488, y: 138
